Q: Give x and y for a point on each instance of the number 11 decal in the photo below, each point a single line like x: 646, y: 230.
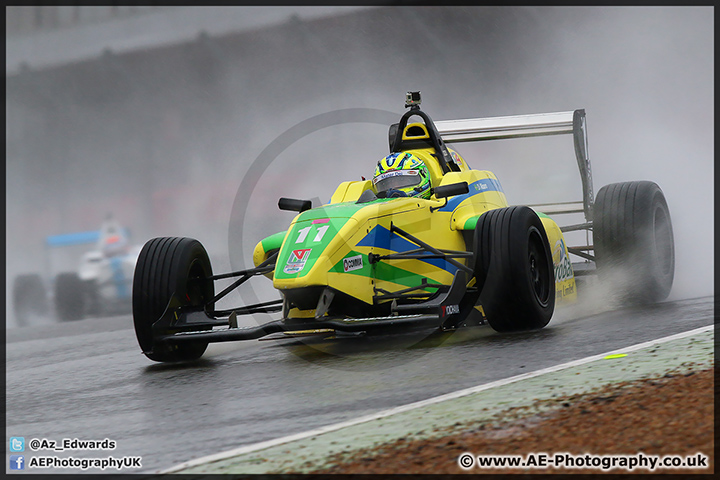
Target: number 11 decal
x: 321, y: 233
x: 303, y: 233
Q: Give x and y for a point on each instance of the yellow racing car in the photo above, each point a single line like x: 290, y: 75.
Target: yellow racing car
x: 428, y: 243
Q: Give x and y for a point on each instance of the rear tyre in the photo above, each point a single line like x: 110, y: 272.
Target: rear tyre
x: 167, y: 266
x: 29, y: 298
x: 513, y: 257
x: 93, y: 299
x: 70, y: 297
x: 634, y: 245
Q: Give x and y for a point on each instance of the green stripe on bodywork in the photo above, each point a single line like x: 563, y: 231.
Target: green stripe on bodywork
x: 471, y: 222
x: 388, y: 273
x: 273, y: 242
x: 365, y: 271
x: 382, y: 271
x: 333, y: 210
x: 334, y: 224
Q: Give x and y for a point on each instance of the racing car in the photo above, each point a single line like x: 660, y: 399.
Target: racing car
x: 453, y: 253
x: 101, y: 284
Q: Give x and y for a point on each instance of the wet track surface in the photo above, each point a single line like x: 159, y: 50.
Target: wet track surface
x: 88, y: 380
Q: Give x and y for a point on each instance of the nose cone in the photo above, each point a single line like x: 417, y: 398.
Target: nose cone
x: 314, y: 237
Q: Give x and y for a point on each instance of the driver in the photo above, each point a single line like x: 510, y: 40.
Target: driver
x: 113, y: 238
x: 402, y: 174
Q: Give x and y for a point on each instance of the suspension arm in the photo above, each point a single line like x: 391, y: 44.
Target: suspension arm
x: 438, y: 253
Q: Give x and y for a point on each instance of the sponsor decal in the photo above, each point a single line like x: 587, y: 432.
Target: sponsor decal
x: 563, y: 267
x: 564, y: 291
x: 297, y: 260
x: 352, y: 263
x: 394, y: 173
x: 456, y: 158
x: 483, y: 185
x: 450, y: 310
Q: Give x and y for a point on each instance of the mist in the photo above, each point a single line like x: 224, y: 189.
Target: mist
x: 164, y: 137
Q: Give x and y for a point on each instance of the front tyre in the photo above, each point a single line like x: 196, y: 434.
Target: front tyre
x: 634, y: 245
x: 167, y: 267
x: 513, y: 256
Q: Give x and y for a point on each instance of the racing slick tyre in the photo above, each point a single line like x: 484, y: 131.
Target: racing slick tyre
x: 634, y: 245
x: 70, y: 297
x: 167, y: 266
x: 512, y: 255
x: 92, y: 297
x: 29, y: 298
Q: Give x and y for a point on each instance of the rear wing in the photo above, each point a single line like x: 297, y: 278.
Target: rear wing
x: 69, y: 239
x: 518, y: 126
x: 77, y: 238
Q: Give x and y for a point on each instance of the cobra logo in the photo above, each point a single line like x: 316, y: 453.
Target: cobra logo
x: 563, y: 267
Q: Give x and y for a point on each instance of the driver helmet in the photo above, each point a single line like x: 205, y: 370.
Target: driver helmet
x: 403, y: 172
x: 113, y: 238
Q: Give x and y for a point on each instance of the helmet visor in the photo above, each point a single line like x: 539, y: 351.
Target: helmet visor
x: 397, y: 179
